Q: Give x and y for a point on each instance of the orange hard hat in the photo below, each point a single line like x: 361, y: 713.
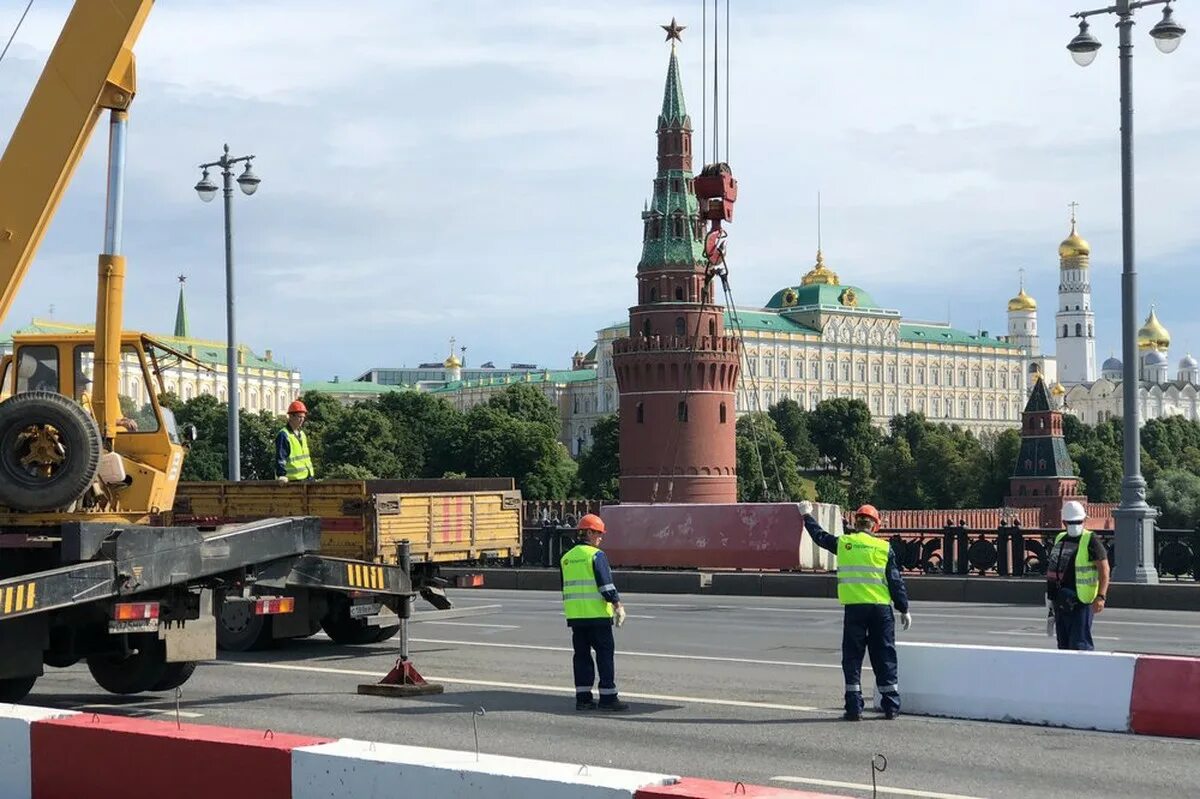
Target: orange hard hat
x: 297, y: 407
x: 870, y: 512
x: 591, y: 521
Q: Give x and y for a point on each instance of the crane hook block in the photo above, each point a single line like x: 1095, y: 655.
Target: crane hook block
x: 716, y: 189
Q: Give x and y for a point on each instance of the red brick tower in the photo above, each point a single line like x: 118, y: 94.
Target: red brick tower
x: 677, y: 370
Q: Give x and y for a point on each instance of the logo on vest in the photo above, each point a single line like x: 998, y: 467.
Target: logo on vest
x: 849, y: 546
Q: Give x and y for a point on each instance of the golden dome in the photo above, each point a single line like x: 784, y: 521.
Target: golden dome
x: 1022, y: 302
x: 1153, y: 336
x: 452, y: 362
x: 1074, y: 246
x: 820, y: 274
x: 1058, y: 390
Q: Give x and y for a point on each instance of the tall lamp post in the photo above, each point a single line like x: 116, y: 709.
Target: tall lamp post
x: 248, y: 182
x: 1134, y: 518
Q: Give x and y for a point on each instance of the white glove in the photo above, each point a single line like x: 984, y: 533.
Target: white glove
x: 619, y: 614
x: 281, y: 479
x: 806, y: 507
x: 1050, y: 626
x: 905, y: 621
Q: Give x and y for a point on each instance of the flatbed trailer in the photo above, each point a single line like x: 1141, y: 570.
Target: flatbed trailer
x: 140, y: 603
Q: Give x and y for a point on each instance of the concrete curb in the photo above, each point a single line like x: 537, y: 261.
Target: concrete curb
x: 934, y: 588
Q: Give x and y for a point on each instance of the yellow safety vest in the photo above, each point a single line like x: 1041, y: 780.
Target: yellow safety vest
x: 299, y: 463
x: 862, y: 570
x: 1087, y: 579
x: 581, y: 596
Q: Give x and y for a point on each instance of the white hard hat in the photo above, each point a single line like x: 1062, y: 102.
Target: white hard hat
x: 1073, y: 512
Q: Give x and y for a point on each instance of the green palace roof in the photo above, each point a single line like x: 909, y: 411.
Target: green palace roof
x: 942, y: 334
x: 822, y: 295
x: 352, y: 387
x: 533, y: 378
x: 207, y: 352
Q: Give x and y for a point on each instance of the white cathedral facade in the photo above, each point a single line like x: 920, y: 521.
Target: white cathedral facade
x: 1077, y: 386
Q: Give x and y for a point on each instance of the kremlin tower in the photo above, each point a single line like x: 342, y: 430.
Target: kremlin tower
x: 677, y: 370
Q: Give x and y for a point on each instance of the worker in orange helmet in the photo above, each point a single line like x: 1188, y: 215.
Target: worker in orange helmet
x: 592, y: 605
x: 292, y: 459
x: 869, y: 583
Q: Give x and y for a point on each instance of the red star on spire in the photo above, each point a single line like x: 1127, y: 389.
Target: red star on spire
x: 673, y: 30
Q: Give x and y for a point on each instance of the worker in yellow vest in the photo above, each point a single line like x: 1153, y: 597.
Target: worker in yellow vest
x: 592, y: 605
x: 1076, y: 581
x: 293, y: 461
x: 869, y: 583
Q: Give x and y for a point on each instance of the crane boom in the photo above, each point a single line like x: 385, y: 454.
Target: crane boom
x: 90, y: 69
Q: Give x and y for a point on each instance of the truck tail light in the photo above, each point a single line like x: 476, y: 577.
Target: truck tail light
x: 135, y: 611
x: 271, y: 607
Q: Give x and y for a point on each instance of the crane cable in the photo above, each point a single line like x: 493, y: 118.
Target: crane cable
x: 4, y: 52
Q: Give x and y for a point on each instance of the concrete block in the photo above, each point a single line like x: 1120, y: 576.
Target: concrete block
x: 363, y: 770
x: 689, y: 788
x: 936, y: 589
x: 800, y: 585
x: 1164, y: 596
x: 1166, y: 696
x: 15, y: 753
x: 539, y: 580
x: 1080, y: 690
x: 658, y: 582
x: 1002, y: 591
x: 737, y: 584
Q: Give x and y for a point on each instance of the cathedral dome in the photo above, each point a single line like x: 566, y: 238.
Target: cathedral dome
x: 1153, y: 335
x: 1022, y: 302
x: 1188, y: 362
x: 1074, y: 245
x: 452, y: 362
x: 1112, y: 364
x: 820, y: 274
x: 1058, y: 390
x: 1154, y: 358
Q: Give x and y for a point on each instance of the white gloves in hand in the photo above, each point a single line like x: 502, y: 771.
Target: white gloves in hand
x: 806, y: 508
x: 905, y: 621
x: 1050, y: 626
x: 619, y: 614
x: 281, y: 479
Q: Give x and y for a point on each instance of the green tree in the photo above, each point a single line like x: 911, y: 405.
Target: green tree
x: 433, y: 426
x: 600, y: 464
x: 842, y: 432
x: 899, y: 484
x: 792, y: 423
x: 206, y: 458
x: 348, y: 471
x: 766, y: 465
x: 364, y: 437
x: 1001, y: 454
x: 498, y: 444
x: 323, y: 411
x: 1100, y: 469
x: 525, y: 402
x: 1176, y: 494
x: 257, y: 433
x: 831, y: 490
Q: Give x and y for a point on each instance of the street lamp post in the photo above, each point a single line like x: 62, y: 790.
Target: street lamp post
x: 248, y: 182
x: 1134, y: 518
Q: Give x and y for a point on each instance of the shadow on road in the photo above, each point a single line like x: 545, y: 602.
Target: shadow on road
x: 510, y: 702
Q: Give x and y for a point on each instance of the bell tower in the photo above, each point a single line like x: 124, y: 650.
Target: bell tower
x: 677, y: 370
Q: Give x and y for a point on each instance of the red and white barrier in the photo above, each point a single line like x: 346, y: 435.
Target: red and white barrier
x: 15, y: 755
x: 688, y: 788
x: 1115, y: 691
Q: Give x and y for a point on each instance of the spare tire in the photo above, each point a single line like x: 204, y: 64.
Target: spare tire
x: 49, y: 451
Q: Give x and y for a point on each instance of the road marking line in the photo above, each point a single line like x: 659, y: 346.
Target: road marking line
x: 638, y: 616
x: 623, y: 653
x: 183, y: 714
x: 474, y: 624
x: 1039, y: 635
x: 881, y: 789
x: 557, y: 689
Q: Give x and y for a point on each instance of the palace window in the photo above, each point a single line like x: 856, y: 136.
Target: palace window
x: 876, y: 373
x: 936, y: 406
x: 641, y: 413
x: 907, y: 375
x: 712, y: 327
x: 933, y: 375
x: 679, y: 292
x: 829, y: 370
x: 681, y: 412
x: 891, y: 375
x: 860, y: 372
x: 962, y: 377
x: 845, y: 371
x: 815, y: 371
x: 987, y: 379
x: 783, y: 368
x: 975, y: 378
x: 962, y: 409
x: 920, y: 375
x: 722, y: 412
x: 891, y: 406
x: 680, y: 326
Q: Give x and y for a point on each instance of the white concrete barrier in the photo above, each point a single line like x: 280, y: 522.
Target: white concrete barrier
x: 1081, y: 690
x: 811, y: 555
x: 348, y: 768
x: 15, y: 756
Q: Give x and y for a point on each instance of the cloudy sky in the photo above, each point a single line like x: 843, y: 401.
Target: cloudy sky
x: 477, y: 169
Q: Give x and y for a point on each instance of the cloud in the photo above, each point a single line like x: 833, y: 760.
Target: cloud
x: 477, y: 168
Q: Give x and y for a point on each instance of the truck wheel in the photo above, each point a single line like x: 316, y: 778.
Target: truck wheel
x: 14, y: 689
x: 240, y: 629
x: 344, y: 630
x: 134, y: 674
x: 387, y: 632
x: 176, y: 675
x: 49, y: 451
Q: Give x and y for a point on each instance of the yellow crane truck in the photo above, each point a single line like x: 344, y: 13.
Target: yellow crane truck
x: 448, y: 522
x: 91, y: 566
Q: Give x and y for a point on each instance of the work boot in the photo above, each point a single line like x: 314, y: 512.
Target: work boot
x: 614, y: 706
x: 848, y: 716
x: 588, y: 705
x: 890, y: 714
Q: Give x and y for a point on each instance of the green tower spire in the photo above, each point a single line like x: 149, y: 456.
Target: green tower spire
x: 181, y: 322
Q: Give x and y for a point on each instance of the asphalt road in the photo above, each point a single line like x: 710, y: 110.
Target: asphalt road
x: 721, y: 687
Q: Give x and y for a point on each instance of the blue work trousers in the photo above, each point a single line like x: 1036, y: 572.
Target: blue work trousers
x: 1074, y: 628
x: 871, y: 628
x: 587, y: 639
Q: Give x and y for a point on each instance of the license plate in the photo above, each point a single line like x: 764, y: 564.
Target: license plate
x: 359, y: 611
x: 136, y: 626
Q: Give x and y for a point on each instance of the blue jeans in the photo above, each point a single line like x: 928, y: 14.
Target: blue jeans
x: 873, y: 628
x: 1074, y: 628
x: 585, y: 640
